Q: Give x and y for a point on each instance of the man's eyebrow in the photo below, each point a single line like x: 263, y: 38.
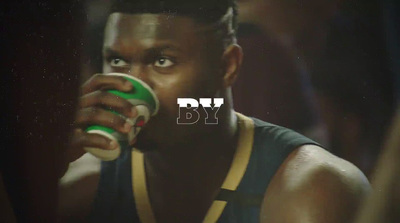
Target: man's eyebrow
x: 110, y: 51
x: 163, y: 47
x: 107, y: 50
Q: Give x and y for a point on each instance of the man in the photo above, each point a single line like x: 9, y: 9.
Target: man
x: 240, y: 170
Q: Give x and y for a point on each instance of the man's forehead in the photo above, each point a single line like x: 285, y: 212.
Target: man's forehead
x: 154, y: 25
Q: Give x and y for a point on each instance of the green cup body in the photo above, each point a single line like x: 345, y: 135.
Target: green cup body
x: 147, y: 105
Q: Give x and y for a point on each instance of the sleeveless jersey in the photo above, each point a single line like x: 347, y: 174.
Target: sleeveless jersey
x: 262, y: 147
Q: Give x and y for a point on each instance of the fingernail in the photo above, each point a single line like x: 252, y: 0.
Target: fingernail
x: 113, y: 144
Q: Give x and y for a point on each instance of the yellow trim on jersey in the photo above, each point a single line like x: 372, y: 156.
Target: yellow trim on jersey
x: 215, y: 211
x: 242, y: 155
x: 231, y: 182
x: 238, y: 166
x: 140, y: 193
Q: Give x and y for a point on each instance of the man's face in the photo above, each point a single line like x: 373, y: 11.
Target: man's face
x: 175, y: 56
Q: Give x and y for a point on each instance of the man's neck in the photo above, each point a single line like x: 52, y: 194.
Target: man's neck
x: 188, y: 179
x: 194, y: 158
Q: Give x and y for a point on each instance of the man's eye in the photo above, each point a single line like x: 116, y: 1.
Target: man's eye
x: 163, y: 62
x: 117, y: 62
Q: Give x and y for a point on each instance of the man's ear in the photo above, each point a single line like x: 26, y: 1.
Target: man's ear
x: 232, y: 59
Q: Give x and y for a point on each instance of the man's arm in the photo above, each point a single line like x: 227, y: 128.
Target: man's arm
x: 79, y: 185
x: 77, y: 189
x: 313, y: 185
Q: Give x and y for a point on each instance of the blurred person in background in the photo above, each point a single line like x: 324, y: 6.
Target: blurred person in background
x: 340, y: 44
x: 355, y: 83
x: 274, y: 76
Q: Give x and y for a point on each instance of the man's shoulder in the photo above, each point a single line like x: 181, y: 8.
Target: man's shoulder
x: 266, y: 128
x: 278, y: 137
x: 314, y: 164
x: 311, y: 178
x: 258, y: 123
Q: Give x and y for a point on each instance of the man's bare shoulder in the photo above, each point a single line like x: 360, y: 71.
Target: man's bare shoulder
x: 313, y: 185
x: 312, y: 164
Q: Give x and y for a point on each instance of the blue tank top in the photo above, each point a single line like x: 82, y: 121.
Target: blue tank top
x: 262, y: 147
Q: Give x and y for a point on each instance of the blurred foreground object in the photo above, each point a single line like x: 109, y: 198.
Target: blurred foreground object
x: 41, y: 46
x: 383, y: 205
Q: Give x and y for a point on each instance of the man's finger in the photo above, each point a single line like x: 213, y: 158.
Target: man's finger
x: 101, y: 81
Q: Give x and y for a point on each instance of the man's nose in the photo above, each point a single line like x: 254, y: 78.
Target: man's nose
x: 141, y: 73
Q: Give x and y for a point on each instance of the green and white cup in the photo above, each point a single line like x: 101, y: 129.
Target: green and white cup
x: 146, y: 104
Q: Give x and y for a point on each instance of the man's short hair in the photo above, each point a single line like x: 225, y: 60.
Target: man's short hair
x: 205, y: 11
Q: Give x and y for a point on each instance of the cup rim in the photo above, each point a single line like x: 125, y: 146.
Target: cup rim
x: 144, y: 85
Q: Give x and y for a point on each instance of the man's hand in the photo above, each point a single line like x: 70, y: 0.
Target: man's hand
x: 79, y: 184
x: 94, y: 109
